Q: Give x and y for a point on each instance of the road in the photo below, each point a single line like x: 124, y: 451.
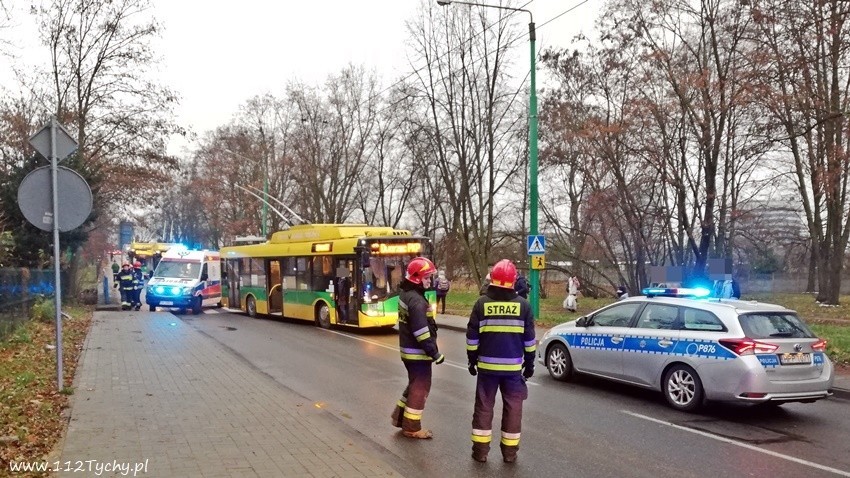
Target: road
x: 587, y: 429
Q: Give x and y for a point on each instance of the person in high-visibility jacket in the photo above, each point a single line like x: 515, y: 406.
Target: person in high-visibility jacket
x: 138, y: 284
x: 500, y: 346
x: 126, y: 282
x: 417, y: 339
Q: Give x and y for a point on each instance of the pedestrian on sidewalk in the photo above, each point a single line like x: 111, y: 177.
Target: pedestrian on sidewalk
x: 417, y: 339
x: 442, y: 286
x: 500, y: 344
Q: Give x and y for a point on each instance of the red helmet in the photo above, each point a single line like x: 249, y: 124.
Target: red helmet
x: 503, y: 274
x: 137, y: 265
x: 126, y: 264
x: 420, y: 268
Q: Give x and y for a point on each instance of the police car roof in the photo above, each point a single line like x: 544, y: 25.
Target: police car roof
x: 713, y: 302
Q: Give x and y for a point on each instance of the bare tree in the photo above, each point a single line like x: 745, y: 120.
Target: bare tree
x: 100, y: 57
x: 473, y: 120
x: 804, y: 53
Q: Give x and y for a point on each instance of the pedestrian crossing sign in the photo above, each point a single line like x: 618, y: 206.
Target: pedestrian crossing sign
x: 538, y: 262
x: 536, y: 245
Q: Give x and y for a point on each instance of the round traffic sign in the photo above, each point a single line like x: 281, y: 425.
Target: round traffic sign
x: 35, y: 198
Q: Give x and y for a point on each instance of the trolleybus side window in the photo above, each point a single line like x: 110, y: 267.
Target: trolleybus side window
x: 322, y: 273
x: 302, y: 273
x: 258, y: 273
x: 289, y: 271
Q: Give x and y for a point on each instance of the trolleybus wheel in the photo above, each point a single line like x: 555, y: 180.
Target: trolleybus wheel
x: 251, y: 306
x: 323, y: 316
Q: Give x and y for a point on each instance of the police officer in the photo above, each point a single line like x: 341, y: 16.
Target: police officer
x: 126, y: 281
x: 138, y: 284
x: 417, y: 339
x: 500, y: 345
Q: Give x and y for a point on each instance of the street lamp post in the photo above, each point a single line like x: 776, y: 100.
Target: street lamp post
x: 534, y: 274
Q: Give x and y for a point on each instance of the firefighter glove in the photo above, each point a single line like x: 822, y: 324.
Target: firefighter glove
x: 440, y: 359
x: 528, y: 372
x: 472, y: 370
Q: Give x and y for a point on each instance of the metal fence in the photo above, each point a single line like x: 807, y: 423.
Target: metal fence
x: 19, y: 289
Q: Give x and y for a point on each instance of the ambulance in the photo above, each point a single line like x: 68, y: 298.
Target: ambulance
x: 185, y: 279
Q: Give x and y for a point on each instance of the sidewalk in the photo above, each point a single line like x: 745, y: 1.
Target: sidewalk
x: 841, y: 386
x: 156, y: 395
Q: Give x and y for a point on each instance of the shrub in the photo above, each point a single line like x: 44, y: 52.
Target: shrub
x: 43, y: 309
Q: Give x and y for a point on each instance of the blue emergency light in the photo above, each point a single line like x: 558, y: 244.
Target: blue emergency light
x: 676, y: 292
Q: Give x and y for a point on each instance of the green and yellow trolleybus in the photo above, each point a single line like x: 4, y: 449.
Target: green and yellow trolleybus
x: 300, y: 272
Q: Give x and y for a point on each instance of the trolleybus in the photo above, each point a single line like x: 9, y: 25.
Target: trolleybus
x: 298, y: 273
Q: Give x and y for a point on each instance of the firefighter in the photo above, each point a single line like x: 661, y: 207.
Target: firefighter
x: 500, y: 346
x: 125, y: 280
x: 138, y: 284
x: 417, y: 339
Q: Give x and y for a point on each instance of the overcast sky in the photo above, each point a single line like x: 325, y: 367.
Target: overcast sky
x: 217, y: 54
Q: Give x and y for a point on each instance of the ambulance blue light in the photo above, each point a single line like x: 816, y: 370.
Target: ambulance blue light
x: 159, y: 289
x: 175, y: 290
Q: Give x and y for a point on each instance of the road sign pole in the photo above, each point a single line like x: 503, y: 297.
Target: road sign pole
x: 57, y: 300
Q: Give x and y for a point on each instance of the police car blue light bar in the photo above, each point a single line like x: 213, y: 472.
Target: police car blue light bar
x: 676, y: 292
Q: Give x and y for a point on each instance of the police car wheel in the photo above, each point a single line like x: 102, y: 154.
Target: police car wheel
x: 683, y: 388
x: 323, y: 316
x: 559, y: 363
x: 251, y: 307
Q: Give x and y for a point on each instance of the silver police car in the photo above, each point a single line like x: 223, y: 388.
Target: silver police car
x: 694, y: 349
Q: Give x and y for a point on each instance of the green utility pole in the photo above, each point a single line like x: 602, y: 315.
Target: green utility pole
x: 265, y: 203
x: 532, y: 164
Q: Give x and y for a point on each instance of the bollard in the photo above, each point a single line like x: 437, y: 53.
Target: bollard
x: 105, y: 290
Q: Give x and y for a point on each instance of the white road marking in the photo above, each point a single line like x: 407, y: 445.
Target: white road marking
x: 395, y: 349
x: 741, y: 444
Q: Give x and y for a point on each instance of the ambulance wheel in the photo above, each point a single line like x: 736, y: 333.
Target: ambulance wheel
x: 683, y: 388
x: 251, y: 307
x: 323, y: 316
x: 197, y: 305
x: 152, y: 308
x: 559, y: 363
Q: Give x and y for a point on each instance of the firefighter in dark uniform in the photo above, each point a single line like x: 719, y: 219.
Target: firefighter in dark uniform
x: 126, y: 282
x: 417, y: 339
x: 138, y: 284
x: 500, y: 345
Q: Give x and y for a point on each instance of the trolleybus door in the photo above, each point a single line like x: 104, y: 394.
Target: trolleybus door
x: 275, y: 287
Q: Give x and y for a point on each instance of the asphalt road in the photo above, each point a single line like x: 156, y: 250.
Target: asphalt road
x: 585, y: 429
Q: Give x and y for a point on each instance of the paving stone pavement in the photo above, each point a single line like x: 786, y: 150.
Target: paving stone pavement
x: 154, y: 393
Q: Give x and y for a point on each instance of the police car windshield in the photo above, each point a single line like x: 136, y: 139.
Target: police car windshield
x: 762, y: 325
x: 180, y: 270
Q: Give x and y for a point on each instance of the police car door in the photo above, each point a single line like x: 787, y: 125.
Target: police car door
x: 598, y: 348
x: 650, y: 344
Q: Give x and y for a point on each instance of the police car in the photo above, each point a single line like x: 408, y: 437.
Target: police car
x: 693, y: 348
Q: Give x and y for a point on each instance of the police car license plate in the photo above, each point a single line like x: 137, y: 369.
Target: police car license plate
x: 166, y: 302
x: 795, y: 358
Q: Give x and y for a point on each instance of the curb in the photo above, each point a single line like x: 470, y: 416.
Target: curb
x: 841, y: 393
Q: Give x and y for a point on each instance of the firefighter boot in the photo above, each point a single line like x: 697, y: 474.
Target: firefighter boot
x: 421, y: 434
x: 396, y: 417
x: 479, y: 452
x: 509, y: 453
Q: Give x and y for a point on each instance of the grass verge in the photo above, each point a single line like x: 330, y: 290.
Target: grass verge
x: 30, y: 403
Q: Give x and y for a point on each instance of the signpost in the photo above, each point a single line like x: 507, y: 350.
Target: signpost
x: 54, y: 143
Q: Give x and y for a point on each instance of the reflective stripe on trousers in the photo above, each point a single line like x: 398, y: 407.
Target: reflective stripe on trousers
x: 514, y: 392
x: 412, y: 402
